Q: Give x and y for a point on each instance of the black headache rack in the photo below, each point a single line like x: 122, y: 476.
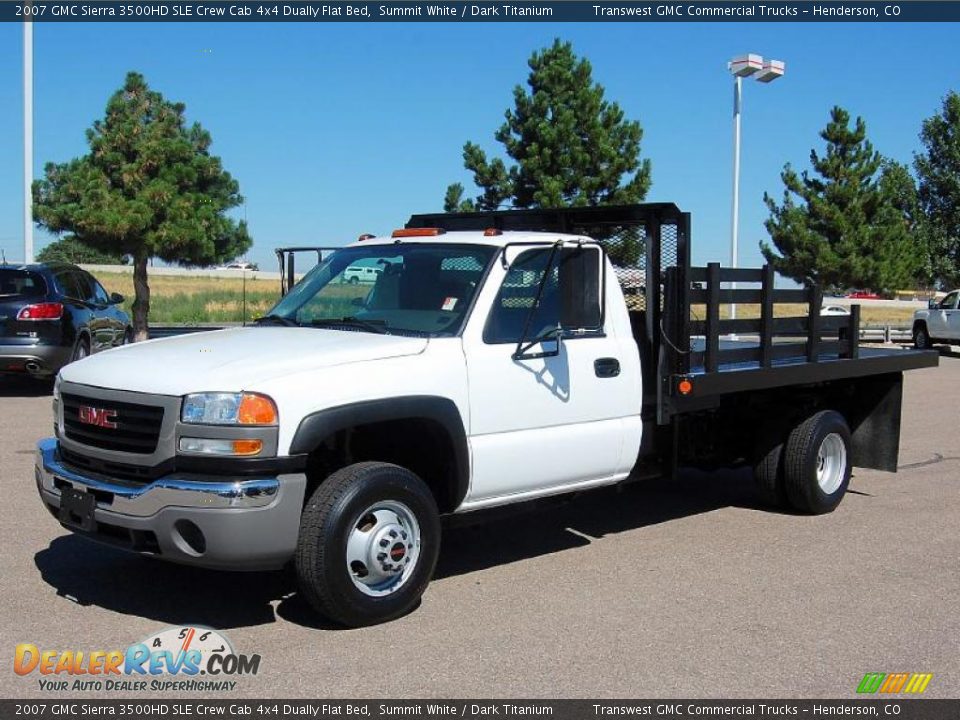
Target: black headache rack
x: 698, y: 366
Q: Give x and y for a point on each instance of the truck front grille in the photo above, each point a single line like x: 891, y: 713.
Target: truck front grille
x: 112, y: 425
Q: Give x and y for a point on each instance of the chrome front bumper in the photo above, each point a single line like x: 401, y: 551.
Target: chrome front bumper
x: 243, y: 524
x: 146, y: 500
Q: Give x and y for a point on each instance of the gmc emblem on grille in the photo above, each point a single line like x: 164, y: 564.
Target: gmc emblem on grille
x: 101, y: 417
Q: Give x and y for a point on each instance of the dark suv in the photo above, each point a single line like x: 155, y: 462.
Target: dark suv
x: 52, y: 314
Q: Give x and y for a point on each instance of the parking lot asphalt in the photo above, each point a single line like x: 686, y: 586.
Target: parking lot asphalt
x: 683, y: 588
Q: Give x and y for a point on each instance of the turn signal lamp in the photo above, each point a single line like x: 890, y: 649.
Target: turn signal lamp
x: 417, y: 232
x: 685, y: 387
x: 256, y: 410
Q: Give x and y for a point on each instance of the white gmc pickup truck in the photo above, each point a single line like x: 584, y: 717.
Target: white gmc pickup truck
x: 493, y: 360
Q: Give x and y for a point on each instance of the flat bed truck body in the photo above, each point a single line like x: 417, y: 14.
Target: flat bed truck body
x: 492, y: 359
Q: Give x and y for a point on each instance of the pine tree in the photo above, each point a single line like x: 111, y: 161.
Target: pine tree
x: 71, y: 250
x: 570, y: 146
x: 149, y: 187
x: 938, y: 171
x: 845, y: 224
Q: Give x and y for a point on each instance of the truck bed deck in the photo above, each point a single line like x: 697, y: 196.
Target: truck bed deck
x: 700, y: 364
x: 734, y: 376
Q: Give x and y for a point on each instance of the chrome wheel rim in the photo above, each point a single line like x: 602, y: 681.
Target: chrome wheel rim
x: 831, y: 463
x: 383, y: 548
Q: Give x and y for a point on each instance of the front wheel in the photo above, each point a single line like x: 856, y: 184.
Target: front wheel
x: 817, y: 463
x: 921, y: 338
x: 368, y: 544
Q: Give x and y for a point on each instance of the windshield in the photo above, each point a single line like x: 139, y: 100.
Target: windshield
x: 400, y: 289
x: 21, y: 284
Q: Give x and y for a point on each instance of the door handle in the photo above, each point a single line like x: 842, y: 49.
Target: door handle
x: 606, y: 367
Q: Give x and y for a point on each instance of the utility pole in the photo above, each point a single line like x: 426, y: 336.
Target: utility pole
x: 28, y: 141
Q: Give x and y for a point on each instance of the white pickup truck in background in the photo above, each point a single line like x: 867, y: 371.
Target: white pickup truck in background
x: 494, y: 360
x: 939, y: 323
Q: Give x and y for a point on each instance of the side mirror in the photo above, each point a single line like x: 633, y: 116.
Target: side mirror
x: 116, y: 298
x: 551, y: 341
x: 932, y: 304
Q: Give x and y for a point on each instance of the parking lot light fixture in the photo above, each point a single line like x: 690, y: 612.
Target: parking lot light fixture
x: 765, y: 71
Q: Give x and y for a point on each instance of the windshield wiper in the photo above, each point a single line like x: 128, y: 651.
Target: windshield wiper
x: 276, y: 320
x: 376, y: 326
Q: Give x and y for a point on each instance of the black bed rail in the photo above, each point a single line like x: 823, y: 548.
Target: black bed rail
x: 776, y: 337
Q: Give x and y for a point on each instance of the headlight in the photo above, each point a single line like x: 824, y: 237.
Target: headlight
x: 228, y: 409
x: 56, y: 406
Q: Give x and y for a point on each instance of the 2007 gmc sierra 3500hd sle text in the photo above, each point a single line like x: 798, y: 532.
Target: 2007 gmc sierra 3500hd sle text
x: 494, y: 360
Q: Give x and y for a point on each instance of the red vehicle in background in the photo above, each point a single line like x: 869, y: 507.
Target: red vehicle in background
x: 864, y: 295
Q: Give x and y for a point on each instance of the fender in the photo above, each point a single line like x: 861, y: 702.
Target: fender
x: 316, y: 427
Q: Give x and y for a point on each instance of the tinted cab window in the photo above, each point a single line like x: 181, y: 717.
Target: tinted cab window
x: 570, y: 297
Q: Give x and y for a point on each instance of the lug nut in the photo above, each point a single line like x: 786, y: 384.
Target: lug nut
x: 393, y: 533
x: 381, y: 556
x: 384, y: 543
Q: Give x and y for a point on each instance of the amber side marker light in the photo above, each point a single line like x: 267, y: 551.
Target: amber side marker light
x: 417, y: 232
x: 247, y: 447
x: 685, y: 387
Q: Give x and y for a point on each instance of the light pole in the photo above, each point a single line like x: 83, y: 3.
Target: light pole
x: 28, y: 141
x: 764, y: 71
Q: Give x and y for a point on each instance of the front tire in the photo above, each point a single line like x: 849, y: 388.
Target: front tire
x: 368, y: 544
x: 817, y: 463
x: 921, y: 337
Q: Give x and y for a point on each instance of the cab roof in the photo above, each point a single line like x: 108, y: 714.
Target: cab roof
x: 466, y: 237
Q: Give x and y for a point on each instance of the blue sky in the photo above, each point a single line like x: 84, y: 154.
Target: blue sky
x: 338, y: 129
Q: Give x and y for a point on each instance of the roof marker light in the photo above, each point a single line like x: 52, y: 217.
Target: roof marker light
x: 365, y: 236
x: 492, y: 232
x: 417, y: 232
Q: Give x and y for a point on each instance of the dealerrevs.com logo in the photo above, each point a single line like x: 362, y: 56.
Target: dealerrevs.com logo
x: 176, y: 659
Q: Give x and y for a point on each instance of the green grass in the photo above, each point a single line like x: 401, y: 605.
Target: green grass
x: 193, y: 300
x: 209, y: 306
